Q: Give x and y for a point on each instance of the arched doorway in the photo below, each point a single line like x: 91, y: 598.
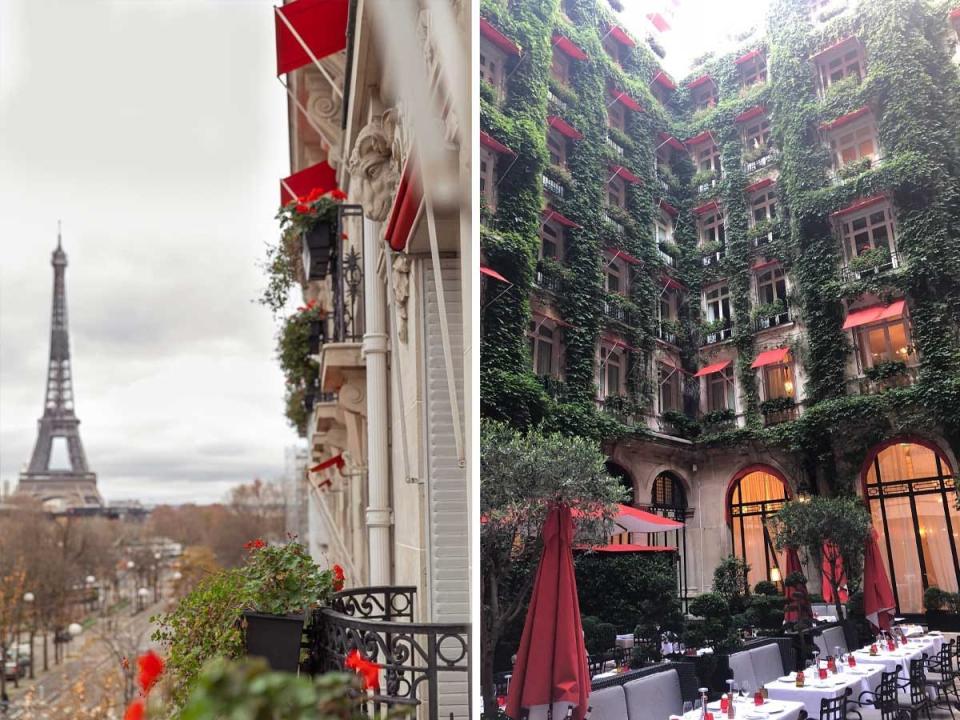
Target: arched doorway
x: 668, y: 497
x: 623, y: 475
x: 909, y: 487
x: 755, y: 494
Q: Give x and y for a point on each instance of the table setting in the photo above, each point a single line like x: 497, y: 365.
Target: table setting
x: 826, y: 684
x: 745, y: 708
x: 880, y: 652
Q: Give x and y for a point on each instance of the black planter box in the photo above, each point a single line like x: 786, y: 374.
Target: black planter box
x: 315, y: 338
x: 944, y: 621
x: 276, y: 638
x: 318, y: 245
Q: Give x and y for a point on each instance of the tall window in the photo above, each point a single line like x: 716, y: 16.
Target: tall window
x: 707, y: 158
x: 670, y: 392
x: 488, y: 172
x: 491, y: 66
x: 551, y: 241
x: 617, y: 116
x: 669, y: 499
x: 717, y: 301
x: 756, y: 133
x: 885, y: 342
x: 842, y: 62
x: 763, y: 205
x: 868, y: 230
x: 704, y: 96
x: 771, y: 286
x: 662, y: 228
x: 854, y: 142
x: 778, y: 381
x: 720, y: 390
x: 560, y: 69
x: 668, y: 306
x: 557, y: 148
x: 545, y: 348
x: 753, y: 499
x: 617, y: 193
x: 753, y: 71
x: 612, y: 372
x: 615, y: 277
x: 711, y: 228
x: 910, y: 491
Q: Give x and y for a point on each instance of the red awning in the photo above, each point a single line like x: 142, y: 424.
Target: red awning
x: 771, y: 357
x: 749, y: 56
x: 620, y: 171
x: 702, y: 80
x: 671, y: 283
x: 336, y: 460
x: 625, y: 548
x: 710, y: 369
x: 618, y: 34
x: 320, y: 24
x: 874, y: 314
x: 567, y: 46
x: 706, y: 207
x: 551, y: 215
x: 617, y: 343
x: 553, y: 317
x: 626, y: 257
x: 764, y: 265
x: 664, y: 80
x: 755, y: 111
x: 840, y: 43
x: 671, y: 141
x: 564, y: 128
x: 484, y: 270
x: 320, y: 176
x: 659, y: 22
x: 498, y: 38
x: 669, y: 208
x: 625, y: 100
x: 859, y: 205
x: 700, y: 138
x: 844, y: 119
x: 495, y: 145
x: 406, y: 207
x: 759, y: 185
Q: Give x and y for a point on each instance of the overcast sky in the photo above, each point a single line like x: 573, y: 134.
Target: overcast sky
x: 156, y: 131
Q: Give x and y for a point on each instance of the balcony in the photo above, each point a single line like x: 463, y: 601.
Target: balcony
x: 705, y: 187
x: 713, y: 258
x: 765, y: 322
x: 666, y: 331
x: 623, y: 408
x: 764, y: 161
x: 555, y: 101
x: 714, y: 335
x: 613, y: 145
x: 779, y: 410
x: 617, y: 225
x: 614, y: 309
x: 417, y: 659
x: 718, y: 421
x: 882, y: 377
x: 666, y: 258
x: 872, y: 263
x: 546, y: 278
x: 552, y: 186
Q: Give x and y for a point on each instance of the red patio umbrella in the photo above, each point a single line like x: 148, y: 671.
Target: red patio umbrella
x: 551, y: 665
x: 797, y: 607
x: 878, y: 600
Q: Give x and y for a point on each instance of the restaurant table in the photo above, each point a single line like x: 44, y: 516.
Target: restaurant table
x: 864, y: 677
x: 914, y: 649
x: 745, y: 710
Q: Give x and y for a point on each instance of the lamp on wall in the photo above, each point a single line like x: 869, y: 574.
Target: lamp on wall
x: 775, y: 575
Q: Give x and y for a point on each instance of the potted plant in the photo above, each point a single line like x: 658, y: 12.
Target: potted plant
x: 718, y: 419
x: 870, y: 259
x: 316, y: 217
x: 702, y: 177
x: 855, y: 168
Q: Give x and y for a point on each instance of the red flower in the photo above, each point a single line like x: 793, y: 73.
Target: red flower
x: 368, y: 670
x: 315, y: 194
x: 254, y: 544
x: 338, y: 578
x: 135, y: 711
x: 338, y: 194
x: 151, y: 667
x: 303, y: 208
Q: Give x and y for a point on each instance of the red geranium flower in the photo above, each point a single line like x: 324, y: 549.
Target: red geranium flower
x: 151, y: 667
x: 368, y: 670
x: 303, y: 208
x: 315, y: 194
x: 338, y: 194
x: 254, y: 544
x: 338, y: 578
x: 135, y: 711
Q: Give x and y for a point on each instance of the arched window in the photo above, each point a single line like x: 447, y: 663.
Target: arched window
x: 622, y: 474
x: 910, y: 492
x: 668, y: 495
x: 754, y: 495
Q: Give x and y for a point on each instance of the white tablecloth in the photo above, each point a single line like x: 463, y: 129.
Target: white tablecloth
x: 914, y: 649
x: 858, y: 679
x: 746, y: 710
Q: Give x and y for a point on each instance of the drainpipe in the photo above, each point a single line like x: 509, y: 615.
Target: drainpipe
x: 379, y: 515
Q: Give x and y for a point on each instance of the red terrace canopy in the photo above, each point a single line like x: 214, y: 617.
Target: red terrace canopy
x: 668, y: 207
x: 494, y: 144
x: 620, y: 171
x: 755, y: 111
x: 672, y: 283
x: 552, y: 318
x: 844, y: 119
x: 336, y: 460
x: 697, y: 82
x: 625, y: 548
x: 320, y: 24
x: 635, y: 520
x: 549, y: 214
x: 320, y: 175
x: 671, y: 141
x: 564, y: 128
x: 406, y: 207
x: 764, y: 265
x: 567, y: 46
x: 498, y: 38
x: 840, y: 43
x: 706, y: 207
x: 618, y: 34
x: 710, y: 369
x: 874, y: 314
x: 625, y: 100
x: 664, y: 80
x: 749, y: 56
x: 617, y: 343
x: 770, y: 357
x: 759, y: 185
x: 484, y: 270
x: 859, y: 205
x: 626, y: 257
x: 659, y: 22
x: 701, y: 138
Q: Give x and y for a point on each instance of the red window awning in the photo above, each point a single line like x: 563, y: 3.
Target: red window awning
x: 625, y: 100
x: 659, y: 22
x: 750, y: 114
x: 706, y: 207
x: 320, y: 176
x: 670, y: 209
x: 564, y: 128
x: 498, y: 38
x: 850, y: 39
x: 700, y: 138
x: 764, y: 265
x: 617, y: 343
x: 406, y: 207
x: 319, y: 28
x: 711, y: 369
x: 626, y: 257
x: 664, y: 80
x: 622, y: 172
x: 552, y: 317
x: 771, y: 357
x: 697, y: 82
x: 670, y: 140
x: 748, y: 56
x: 618, y: 34
x: 484, y: 270
x: 845, y: 119
x: 551, y: 215
x: 568, y: 47
x: 336, y: 461
x: 955, y: 14
x: 859, y: 205
x: 671, y: 283
x: 495, y: 145
x: 759, y: 185
x: 874, y: 314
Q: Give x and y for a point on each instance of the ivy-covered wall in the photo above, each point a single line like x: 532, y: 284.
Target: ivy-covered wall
x: 913, y: 90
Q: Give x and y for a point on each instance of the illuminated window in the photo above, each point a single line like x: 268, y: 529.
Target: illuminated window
x: 866, y: 231
x: 778, y: 381
x: 754, y: 499
x: 491, y: 66
x: 842, y: 62
x: 854, y: 142
x: 885, y: 342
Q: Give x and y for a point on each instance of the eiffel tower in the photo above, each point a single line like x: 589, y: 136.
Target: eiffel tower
x: 60, y: 488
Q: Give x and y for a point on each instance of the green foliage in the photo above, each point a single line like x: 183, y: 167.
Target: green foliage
x: 884, y: 370
x: 713, y: 624
x: 771, y: 309
x: 299, y: 370
x: 718, y: 417
x: 764, y: 612
x: 765, y: 587
x: 684, y: 426
x: 284, y: 270
x: 598, y: 636
x: 853, y: 169
x: 937, y: 600
x: 870, y: 259
x: 284, y: 579
x: 775, y: 405
x: 730, y: 578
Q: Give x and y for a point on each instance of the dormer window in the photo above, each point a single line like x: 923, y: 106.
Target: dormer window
x: 703, y: 93
x: 843, y: 60
x: 495, y: 48
x: 753, y: 68
x: 852, y: 138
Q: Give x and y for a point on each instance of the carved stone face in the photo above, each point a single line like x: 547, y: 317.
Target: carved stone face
x: 373, y: 165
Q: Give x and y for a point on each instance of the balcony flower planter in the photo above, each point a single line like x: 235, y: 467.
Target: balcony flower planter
x: 316, y: 217
x: 275, y: 638
x: 318, y: 250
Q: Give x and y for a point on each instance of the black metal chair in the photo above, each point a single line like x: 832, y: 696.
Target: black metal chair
x: 835, y: 708
x: 595, y: 663
x: 501, y: 683
x: 621, y: 656
x: 942, y: 676
x: 919, y: 701
x: 884, y: 699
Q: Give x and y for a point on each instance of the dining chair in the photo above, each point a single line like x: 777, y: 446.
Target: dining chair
x: 883, y: 702
x: 917, y: 700
x: 595, y: 663
x: 942, y: 676
x: 835, y: 708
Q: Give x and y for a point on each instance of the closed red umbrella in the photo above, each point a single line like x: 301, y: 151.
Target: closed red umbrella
x: 797, y: 607
x: 878, y: 600
x: 551, y: 665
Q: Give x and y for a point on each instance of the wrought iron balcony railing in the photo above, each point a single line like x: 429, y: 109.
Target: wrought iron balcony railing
x: 547, y: 281
x: 848, y: 274
x: 666, y: 334
x: 864, y: 385
x: 613, y: 145
x: 666, y: 258
x: 761, y: 162
x: 617, y: 225
x: 423, y: 664
x: 713, y: 258
x: 618, y: 313
x: 552, y: 186
x: 765, y: 323
x: 718, y: 335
